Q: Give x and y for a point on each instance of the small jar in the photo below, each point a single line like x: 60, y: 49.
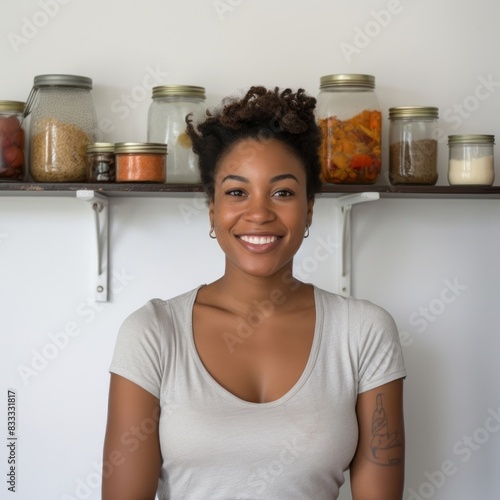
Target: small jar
x: 12, y: 152
x: 141, y: 162
x: 413, y: 145
x: 63, y: 124
x: 101, y: 162
x: 471, y: 160
x: 167, y: 123
x: 350, y: 118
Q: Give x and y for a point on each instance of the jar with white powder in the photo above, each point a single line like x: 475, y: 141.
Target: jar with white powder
x: 471, y: 160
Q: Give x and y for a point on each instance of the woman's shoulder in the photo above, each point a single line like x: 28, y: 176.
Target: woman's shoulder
x: 356, y: 308
x: 156, y: 308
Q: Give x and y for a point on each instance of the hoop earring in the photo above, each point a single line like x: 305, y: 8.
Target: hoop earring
x: 211, y: 233
x: 306, y: 233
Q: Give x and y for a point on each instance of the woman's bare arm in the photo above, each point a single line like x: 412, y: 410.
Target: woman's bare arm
x: 132, y: 458
x: 377, y: 470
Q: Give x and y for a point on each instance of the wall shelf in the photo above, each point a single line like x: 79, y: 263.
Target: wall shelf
x: 153, y: 189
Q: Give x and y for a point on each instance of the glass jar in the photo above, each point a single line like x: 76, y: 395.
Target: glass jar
x: 12, y: 152
x: 63, y: 123
x: 471, y: 160
x: 101, y: 162
x: 350, y: 119
x: 167, y: 123
x: 141, y: 162
x: 413, y: 145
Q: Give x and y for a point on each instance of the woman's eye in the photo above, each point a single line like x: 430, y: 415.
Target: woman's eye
x: 235, y: 192
x: 284, y: 193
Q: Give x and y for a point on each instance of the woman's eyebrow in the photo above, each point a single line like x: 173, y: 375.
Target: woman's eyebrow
x: 281, y: 177
x: 234, y: 178
x: 276, y: 178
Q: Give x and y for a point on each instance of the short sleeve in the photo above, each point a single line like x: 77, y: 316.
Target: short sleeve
x: 380, y: 357
x: 137, y: 354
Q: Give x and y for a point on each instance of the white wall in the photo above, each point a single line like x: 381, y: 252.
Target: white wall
x: 408, y: 255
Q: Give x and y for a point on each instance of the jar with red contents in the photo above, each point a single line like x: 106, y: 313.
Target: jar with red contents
x: 12, y: 157
x: 350, y: 118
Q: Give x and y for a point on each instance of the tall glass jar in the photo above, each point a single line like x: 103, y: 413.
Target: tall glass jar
x: 350, y: 118
x: 12, y: 146
x: 413, y: 145
x: 63, y: 123
x: 167, y: 124
x: 471, y: 160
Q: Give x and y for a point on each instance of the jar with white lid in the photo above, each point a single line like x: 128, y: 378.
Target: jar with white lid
x: 413, y: 145
x: 63, y: 124
x: 12, y: 144
x: 471, y: 160
x: 350, y: 118
x: 167, y: 124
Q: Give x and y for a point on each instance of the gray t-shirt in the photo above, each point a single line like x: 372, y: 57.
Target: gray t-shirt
x: 217, y: 446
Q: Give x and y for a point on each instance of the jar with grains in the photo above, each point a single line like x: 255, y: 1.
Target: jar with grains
x: 101, y: 162
x: 167, y: 123
x: 413, y: 145
x: 471, y: 160
x: 63, y: 123
x: 12, y: 145
x: 141, y: 162
x: 350, y: 119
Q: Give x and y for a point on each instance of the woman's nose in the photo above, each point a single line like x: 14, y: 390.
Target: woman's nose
x: 259, y: 210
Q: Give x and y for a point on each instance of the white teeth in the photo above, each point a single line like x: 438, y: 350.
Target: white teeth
x: 259, y: 240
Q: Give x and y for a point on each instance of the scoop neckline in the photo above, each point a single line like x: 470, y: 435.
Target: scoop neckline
x: 210, y: 380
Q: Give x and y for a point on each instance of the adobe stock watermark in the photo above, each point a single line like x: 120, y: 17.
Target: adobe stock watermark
x: 223, y: 7
x: 122, y: 106
x: 465, y: 448
x: 266, y: 474
x: 363, y: 36
x: 458, y: 112
x: 261, y: 311
x: 424, y: 315
x: 60, y: 340
x: 31, y: 26
x: 131, y: 441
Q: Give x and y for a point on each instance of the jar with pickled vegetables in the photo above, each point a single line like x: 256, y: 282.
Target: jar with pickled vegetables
x: 350, y: 118
x: 63, y: 124
x: 12, y: 154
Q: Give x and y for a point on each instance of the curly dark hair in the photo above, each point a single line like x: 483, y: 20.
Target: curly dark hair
x: 261, y: 114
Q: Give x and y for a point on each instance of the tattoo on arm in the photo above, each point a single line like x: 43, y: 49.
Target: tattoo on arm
x: 386, y: 447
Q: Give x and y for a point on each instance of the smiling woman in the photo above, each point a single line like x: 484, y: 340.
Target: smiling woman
x: 265, y: 386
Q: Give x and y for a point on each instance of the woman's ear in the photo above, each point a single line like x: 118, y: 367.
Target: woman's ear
x: 310, y: 209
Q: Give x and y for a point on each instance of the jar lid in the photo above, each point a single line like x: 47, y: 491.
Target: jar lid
x: 101, y: 147
x: 12, y: 106
x: 348, y: 80
x: 413, y: 112
x: 82, y: 82
x: 479, y: 139
x: 140, y: 147
x: 178, y: 91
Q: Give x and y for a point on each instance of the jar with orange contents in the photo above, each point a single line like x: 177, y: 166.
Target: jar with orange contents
x: 350, y: 118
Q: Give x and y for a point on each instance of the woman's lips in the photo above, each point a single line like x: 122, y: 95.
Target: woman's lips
x: 259, y: 243
x: 258, y: 240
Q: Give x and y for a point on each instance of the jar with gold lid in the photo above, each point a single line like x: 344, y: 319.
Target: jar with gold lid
x: 471, y: 160
x: 413, y: 145
x: 350, y: 118
x: 141, y: 162
x: 167, y: 124
x: 12, y: 150
x: 101, y: 162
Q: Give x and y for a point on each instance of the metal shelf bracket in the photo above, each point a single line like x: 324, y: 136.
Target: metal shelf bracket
x: 342, y: 208
x: 99, y: 205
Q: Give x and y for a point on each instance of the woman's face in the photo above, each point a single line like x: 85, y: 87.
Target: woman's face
x: 260, y: 208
